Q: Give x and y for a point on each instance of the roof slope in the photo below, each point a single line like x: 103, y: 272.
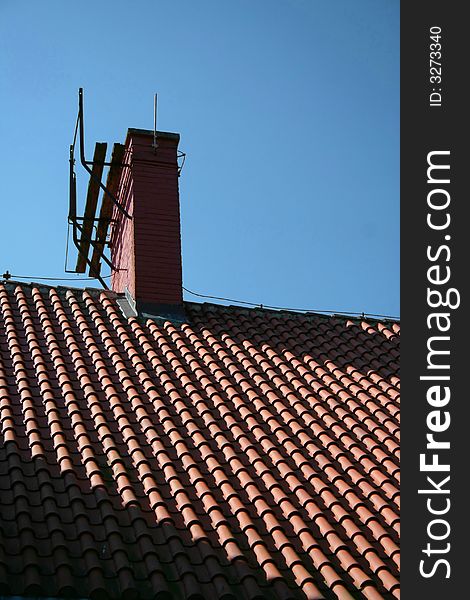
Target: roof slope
x: 244, y: 454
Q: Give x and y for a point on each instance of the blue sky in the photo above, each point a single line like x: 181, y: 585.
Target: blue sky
x: 288, y: 111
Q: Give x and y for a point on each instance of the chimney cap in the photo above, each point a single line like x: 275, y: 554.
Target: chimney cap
x: 160, y: 134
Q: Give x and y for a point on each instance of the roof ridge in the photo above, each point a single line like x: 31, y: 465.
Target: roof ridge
x: 291, y: 312
x: 264, y: 308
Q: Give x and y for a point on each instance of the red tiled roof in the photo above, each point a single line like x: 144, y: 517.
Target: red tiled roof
x: 244, y: 454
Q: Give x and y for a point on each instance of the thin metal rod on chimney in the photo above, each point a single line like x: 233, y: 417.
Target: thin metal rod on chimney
x: 155, y: 145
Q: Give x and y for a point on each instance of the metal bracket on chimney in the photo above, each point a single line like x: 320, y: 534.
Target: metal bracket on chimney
x: 83, y: 227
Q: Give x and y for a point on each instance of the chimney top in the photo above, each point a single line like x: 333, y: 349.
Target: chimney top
x: 166, y: 135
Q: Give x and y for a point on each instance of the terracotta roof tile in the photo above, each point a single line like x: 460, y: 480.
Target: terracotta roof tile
x: 241, y: 454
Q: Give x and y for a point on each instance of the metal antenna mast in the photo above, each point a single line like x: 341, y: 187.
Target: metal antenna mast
x: 155, y: 145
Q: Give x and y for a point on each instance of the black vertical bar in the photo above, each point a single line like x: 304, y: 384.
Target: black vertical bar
x: 434, y: 131
x: 72, y: 188
x: 84, y: 162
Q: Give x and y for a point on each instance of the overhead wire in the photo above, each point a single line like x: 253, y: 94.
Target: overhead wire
x: 302, y: 310
x: 56, y: 278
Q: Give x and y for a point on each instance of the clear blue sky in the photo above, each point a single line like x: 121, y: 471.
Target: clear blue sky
x: 288, y: 111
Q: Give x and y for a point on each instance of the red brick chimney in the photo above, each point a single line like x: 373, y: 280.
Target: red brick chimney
x: 147, y: 248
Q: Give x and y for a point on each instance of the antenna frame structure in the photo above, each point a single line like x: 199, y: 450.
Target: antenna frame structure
x: 82, y: 227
